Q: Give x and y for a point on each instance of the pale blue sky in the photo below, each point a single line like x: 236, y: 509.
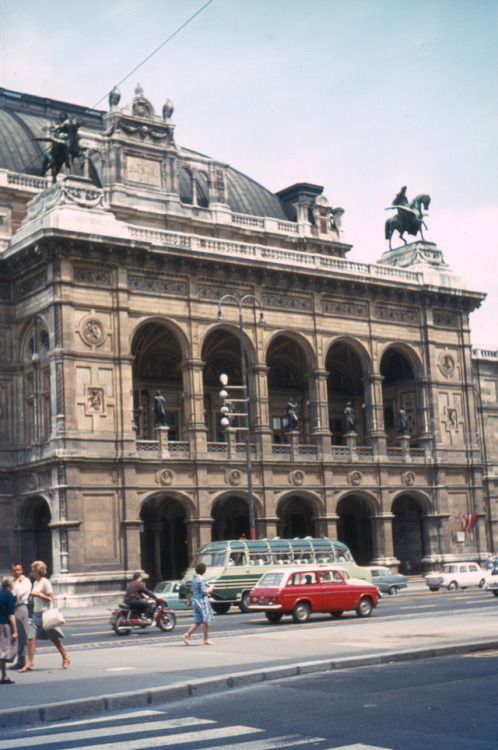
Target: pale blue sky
x: 360, y: 96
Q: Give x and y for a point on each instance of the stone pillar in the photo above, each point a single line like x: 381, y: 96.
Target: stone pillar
x: 231, y: 438
x: 156, y: 529
x: 267, y: 525
x: 404, y: 442
x: 195, y: 422
x: 199, y: 532
x: 352, y: 444
x: 382, y: 539
x: 131, y: 532
x: 437, y: 540
x: 162, y: 434
x: 294, y: 444
x: 375, y: 433
x: 320, y: 431
x: 261, y: 427
x: 326, y: 526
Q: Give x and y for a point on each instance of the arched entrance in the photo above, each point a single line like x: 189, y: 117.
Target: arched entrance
x: 157, y: 367
x: 295, y: 518
x: 230, y: 518
x: 163, y: 543
x: 221, y: 353
x: 36, y: 536
x: 287, y: 381
x: 354, y: 527
x: 408, y: 538
x: 344, y: 384
x: 398, y: 390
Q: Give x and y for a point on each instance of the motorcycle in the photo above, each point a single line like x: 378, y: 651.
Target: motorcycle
x: 124, y: 618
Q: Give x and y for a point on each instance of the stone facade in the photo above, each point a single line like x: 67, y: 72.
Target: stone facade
x: 111, y: 292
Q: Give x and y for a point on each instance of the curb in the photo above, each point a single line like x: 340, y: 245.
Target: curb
x: 181, y: 691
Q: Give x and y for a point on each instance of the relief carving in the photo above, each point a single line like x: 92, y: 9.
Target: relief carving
x: 297, y: 477
x: 92, y: 331
x: 155, y: 285
x: 444, y: 319
x: 446, y: 365
x: 286, y: 301
x: 94, y: 400
x: 407, y: 315
x: 95, y: 276
x: 355, y: 478
x: 345, y: 308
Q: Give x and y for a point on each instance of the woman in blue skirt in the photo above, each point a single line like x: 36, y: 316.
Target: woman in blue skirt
x: 201, y: 606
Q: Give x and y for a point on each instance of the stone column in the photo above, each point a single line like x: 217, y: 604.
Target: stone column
x: 267, y: 525
x: 326, y: 526
x: 162, y: 433
x: 156, y: 529
x: 352, y: 444
x: 195, y: 423
x: 131, y: 532
x: 375, y: 433
x: 437, y: 541
x: 261, y: 427
x: 382, y: 539
x: 320, y: 431
x: 199, y: 530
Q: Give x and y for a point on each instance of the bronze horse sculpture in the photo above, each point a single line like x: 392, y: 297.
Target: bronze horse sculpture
x: 64, y: 147
x: 409, y: 218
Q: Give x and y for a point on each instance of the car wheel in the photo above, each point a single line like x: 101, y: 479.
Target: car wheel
x: 495, y: 593
x: 166, y: 621
x: 301, y: 612
x: 244, y: 602
x: 481, y: 583
x: 452, y: 586
x: 337, y: 613
x: 221, y: 608
x: 273, y: 616
x: 393, y: 590
x: 365, y: 607
x: 434, y: 588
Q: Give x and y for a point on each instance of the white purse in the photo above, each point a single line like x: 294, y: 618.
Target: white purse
x: 52, y: 618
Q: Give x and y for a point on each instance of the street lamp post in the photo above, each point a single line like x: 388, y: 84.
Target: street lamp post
x: 245, y: 395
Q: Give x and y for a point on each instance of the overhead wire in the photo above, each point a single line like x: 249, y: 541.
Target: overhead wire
x: 134, y: 70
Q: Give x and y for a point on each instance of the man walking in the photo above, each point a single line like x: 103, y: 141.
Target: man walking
x: 21, y: 591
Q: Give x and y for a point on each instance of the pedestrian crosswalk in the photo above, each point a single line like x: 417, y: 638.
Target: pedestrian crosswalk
x: 141, y: 730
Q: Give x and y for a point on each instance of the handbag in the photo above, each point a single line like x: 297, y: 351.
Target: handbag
x: 52, y: 618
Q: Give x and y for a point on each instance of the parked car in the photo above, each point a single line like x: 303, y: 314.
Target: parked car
x: 491, y: 580
x: 456, y: 575
x: 170, y: 590
x: 301, y: 591
x: 388, y: 582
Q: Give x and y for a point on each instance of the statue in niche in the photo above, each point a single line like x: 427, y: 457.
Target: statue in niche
x: 349, y: 418
x: 403, y: 421
x: 409, y: 217
x: 291, y: 414
x: 159, y: 409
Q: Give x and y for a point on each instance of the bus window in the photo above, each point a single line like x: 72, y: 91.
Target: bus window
x: 211, y: 559
x: 237, y: 558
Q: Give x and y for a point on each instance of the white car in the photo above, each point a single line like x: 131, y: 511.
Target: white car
x: 456, y: 575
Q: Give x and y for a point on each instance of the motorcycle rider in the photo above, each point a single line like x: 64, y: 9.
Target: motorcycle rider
x: 135, y: 591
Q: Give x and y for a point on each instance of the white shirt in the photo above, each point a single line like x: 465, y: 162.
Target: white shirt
x: 21, y: 590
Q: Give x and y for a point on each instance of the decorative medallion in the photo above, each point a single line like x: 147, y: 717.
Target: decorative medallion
x: 92, y: 331
x: 355, y: 478
x: 408, y: 478
x: 446, y: 364
x: 165, y: 477
x: 297, y: 477
x: 233, y: 477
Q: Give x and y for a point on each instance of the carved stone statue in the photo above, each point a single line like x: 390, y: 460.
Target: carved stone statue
x: 349, y: 418
x: 114, y: 97
x: 291, y: 414
x: 159, y: 409
x: 409, y: 217
x: 403, y: 421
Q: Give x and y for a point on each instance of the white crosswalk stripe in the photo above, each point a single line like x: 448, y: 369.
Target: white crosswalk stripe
x: 145, y: 729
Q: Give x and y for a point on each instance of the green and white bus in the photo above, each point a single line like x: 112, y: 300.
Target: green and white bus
x: 234, y: 567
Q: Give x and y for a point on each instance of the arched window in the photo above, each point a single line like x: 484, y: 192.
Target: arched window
x: 37, y: 401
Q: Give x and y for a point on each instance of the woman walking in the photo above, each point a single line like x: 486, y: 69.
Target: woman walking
x: 43, y: 598
x: 203, y: 613
x: 8, y: 628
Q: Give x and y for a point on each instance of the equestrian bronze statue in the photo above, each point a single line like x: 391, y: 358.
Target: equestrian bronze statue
x: 409, y: 217
x: 64, y: 147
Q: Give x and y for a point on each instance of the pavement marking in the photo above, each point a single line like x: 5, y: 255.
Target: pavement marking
x: 119, y: 669
x: 481, y: 655
x: 359, y: 746
x: 99, y: 720
x: 59, y: 737
x: 174, y: 740
x: 291, y: 740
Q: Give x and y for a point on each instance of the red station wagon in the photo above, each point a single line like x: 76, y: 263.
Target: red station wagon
x: 299, y: 591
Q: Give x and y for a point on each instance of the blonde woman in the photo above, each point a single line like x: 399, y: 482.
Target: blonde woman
x: 43, y: 597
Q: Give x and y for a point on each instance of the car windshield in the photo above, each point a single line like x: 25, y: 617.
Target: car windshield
x: 271, y: 579
x: 450, y: 568
x: 164, y: 586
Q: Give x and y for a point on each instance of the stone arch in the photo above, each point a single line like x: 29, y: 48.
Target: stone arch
x: 401, y: 371
x: 221, y: 355
x: 35, y: 535
x: 230, y: 514
x: 409, y: 543
x: 290, y: 360
x: 354, y: 526
x: 164, y: 538
x: 159, y: 348
x: 298, y: 515
x: 347, y: 363
x: 186, y: 184
x: 34, y: 358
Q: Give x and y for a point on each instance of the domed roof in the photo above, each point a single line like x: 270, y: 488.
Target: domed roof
x: 24, y: 118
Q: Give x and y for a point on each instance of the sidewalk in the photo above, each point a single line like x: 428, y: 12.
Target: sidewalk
x: 135, y: 673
